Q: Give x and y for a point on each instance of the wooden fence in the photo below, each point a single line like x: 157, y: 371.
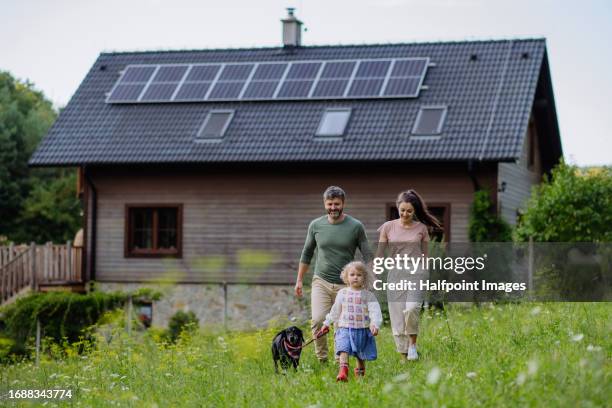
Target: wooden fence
x: 23, y: 266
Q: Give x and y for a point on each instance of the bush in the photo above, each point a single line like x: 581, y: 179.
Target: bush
x: 573, y: 205
x: 61, y: 314
x: 181, y: 321
x: 485, y: 225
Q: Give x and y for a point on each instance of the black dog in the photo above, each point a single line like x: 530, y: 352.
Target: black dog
x: 287, y: 347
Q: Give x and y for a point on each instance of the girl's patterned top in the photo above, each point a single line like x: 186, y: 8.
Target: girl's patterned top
x: 354, y: 309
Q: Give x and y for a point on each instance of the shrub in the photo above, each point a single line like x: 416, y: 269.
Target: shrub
x: 573, y: 205
x: 484, y: 224
x: 181, y: 321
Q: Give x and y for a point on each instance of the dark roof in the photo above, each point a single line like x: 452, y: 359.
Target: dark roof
x: 489, y: 101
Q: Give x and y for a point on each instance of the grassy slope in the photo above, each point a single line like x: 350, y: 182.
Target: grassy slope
x: 517, y: 355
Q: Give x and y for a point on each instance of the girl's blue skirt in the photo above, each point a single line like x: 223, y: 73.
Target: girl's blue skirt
x: 359, y: 343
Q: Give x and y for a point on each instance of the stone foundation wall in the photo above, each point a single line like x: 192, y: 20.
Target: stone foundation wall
x: 248, y: 306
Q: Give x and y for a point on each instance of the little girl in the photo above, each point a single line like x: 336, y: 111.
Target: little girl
x: 357, y: 314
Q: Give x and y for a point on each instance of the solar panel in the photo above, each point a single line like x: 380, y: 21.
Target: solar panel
x: 406, y: 78
x: 260, y: 90
x: 192, y: 91
x: 295, y: 89
x: 335, y: 79
x: 236, y: 72
x: 338, y: 69
x: 203, y: 72
x: 269, y: 71
x: 366, y: 87
x: 330, y: 88
x: 159, y: 92
x: 303, y: 70
x: 138, y: 74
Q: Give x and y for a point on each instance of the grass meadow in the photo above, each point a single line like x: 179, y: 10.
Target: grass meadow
x: 535, y: 354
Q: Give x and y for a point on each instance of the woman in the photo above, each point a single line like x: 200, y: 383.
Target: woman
x: 407, y: 236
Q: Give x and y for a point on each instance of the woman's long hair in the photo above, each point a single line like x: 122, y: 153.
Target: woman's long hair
x: 420, y: 208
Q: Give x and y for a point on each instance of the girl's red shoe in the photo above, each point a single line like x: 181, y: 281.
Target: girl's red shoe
x: 359, y: 372
x: 342, y: 374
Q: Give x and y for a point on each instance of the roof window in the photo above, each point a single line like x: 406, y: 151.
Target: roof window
x: 333, y: 122
x: 429, y: 121
x: 215, y: 125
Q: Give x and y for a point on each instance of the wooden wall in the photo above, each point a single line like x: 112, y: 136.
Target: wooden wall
x: 520, y: 177
x: 248, y: 224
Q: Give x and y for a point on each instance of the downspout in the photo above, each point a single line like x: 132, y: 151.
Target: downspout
x: 91, y: 259
x: 471, y: 166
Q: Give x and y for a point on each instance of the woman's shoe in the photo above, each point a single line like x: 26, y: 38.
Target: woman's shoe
x: 412, y: 353
x: 343, y: 373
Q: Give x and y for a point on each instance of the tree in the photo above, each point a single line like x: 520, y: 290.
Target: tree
x: 25, y: 116
x: 35, y: 204
x: 573, y: 205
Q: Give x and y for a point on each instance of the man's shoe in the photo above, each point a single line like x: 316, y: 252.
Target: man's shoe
x: 343, y: 374
x: 412, y: 353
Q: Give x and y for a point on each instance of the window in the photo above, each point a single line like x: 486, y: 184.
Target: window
x: 439, y: 210
x: 144, y: 312
x: 154, y: 230
x: 215, y: 124
x: 333, y: 122
x: 429, y: 121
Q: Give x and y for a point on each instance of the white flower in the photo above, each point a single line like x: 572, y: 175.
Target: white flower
x: 387, y: 388
x: 401, y: 377
x: 113, y: 375
x: 471, y: 374
x: 591, y: 347
x: 536, y: 311
x: 434, y: 375
x: 577, y: 337
x: 532, y: 367
x: 520, y: 379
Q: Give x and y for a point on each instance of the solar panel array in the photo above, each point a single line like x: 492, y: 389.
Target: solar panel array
x: 337, y: 79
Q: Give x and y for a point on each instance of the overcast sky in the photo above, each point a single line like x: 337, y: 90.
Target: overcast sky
x: 54, y: 43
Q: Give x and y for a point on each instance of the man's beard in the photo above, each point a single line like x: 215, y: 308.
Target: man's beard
x: 331, y: 213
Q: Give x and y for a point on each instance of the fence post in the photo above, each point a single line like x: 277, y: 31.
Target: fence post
x: 33, y: 265
x: 129, y: 316
x: 530, y: 265
x: 69, y: 260
x: 37, y: 341
x: 225, y: 305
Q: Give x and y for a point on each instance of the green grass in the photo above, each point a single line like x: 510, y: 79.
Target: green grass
x: 549, y: 355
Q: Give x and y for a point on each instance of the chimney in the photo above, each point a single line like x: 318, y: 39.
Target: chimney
x: 292, y: 30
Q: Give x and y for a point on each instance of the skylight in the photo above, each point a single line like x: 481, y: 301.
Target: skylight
x: 215, y: 124
x: 429, y: 121
x: 333, y: 122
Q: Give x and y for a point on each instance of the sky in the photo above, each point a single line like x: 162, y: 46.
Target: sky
x: 54, y: 43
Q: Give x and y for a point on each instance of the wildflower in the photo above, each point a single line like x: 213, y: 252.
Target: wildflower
x: 591, y: 347
x: 434, y: 375
x: 520, y: 379
x: 401, y: 377
x: 536, y: 311
x: 387, y: 388
x: 471, y: 374
x: 113, y: 375
x: 532, y: 367
x: 577, y: 337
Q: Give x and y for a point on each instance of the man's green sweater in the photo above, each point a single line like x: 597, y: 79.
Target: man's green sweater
x: 336, y: 245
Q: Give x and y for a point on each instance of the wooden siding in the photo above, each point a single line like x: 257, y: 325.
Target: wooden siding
x: 231, y: 218
x: 520, y: 177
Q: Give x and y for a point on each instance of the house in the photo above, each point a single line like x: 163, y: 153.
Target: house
x: 204, y: 167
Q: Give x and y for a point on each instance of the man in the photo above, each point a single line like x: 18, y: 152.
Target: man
x: 336, y: 236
